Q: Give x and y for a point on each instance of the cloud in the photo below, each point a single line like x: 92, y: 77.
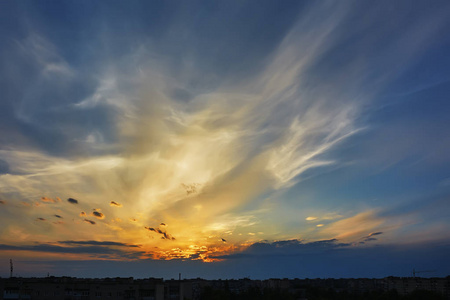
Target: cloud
x: 88, y: 248
x: 83, y: 214
x: 58, y: 216
x: 89, y: 221
x: 353, y: 227
x: 2, y: 202
x: 113, y: 203
x: 98, y: 214
x: 311, y: 218
x: 191, y: 188
x: 41, y: 219
x: 98, y: 243
x: 186, y: 139
x: 4, y: 167
x: 72, y: 201
x: 293, y: 247
x: 370, y: 239
x: 165, y: 235
x: 375, y: 233
x: 50, y: 200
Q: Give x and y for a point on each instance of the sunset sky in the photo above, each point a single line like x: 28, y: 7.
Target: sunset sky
x: 225, y: 139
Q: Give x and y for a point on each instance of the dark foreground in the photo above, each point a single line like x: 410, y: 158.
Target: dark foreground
x: 69, y: 288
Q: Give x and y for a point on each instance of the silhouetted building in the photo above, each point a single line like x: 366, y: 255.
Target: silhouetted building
x: 69, y: 288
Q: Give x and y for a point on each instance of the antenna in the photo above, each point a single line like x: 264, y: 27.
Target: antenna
x: 11, y: 268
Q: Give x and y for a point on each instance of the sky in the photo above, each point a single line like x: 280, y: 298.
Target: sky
x: 225, y: 139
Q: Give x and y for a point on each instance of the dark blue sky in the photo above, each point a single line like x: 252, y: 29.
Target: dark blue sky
x: 225, y: 139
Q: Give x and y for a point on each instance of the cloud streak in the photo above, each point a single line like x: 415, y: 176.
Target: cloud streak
x: 50, y: 200
x: 98, y: 243
x: 100, y: 250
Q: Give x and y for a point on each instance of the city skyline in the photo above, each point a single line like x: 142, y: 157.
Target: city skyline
x: 225, y: 139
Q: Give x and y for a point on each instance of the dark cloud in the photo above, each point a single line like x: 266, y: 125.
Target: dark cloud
x: 41, y: 219
x: 370, y: 239
x: 89, y: 249
x: 98, y: 215
x: 73, y: 201
x: 113, y: 203
x: 370, y: 262
x: 98, y: 243
x: 224, y: 240
x: 288, y: 248
x: 375, y: 233
x: 165, y: 235
x: 89, y: 221
x: 2, y: 202
x: 83, y: 214
x: 58, y: 216
x: 162, y: 224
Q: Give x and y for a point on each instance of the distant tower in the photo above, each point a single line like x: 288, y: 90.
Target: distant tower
x: 11, y: 268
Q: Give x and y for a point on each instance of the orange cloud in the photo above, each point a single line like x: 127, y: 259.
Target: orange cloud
x: 50, y: 200
x: 354, y: 227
